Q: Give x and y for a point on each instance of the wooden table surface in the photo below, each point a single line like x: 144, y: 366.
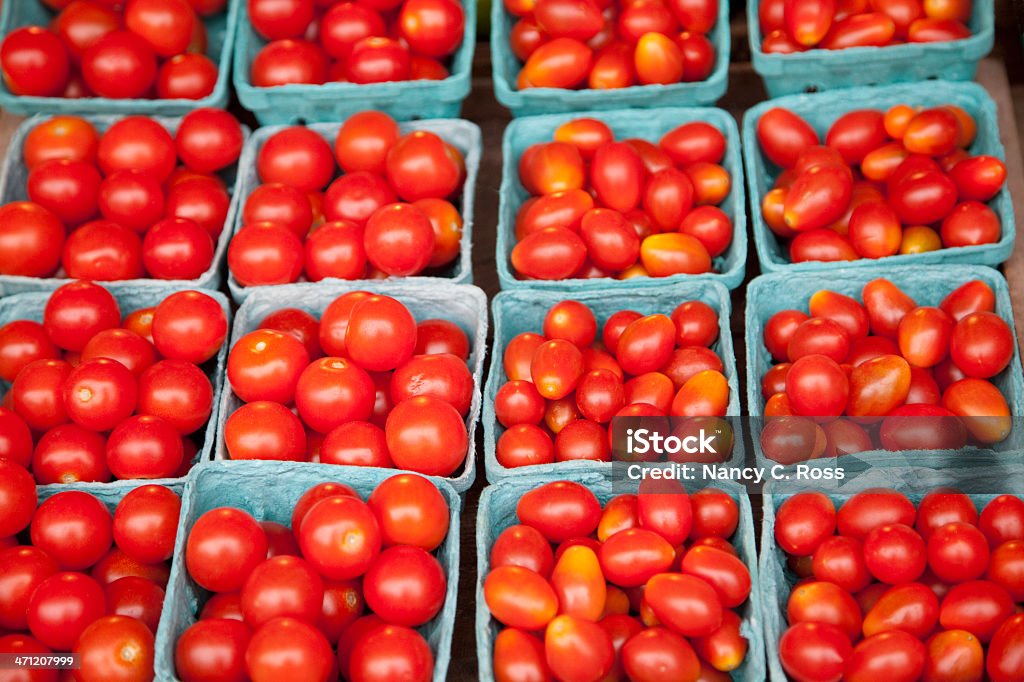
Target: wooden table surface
x: 745, y: 89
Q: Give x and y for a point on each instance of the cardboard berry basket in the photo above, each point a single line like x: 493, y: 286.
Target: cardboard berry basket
x: 777, y: 580
x: 768, y: 294
x: 820, y: 110
x: 463, y: 134
x: 30, y: 306
x: 463, y: 304
x: 13, y: 179
x: 516, y: 312
x: 816, y: 70
x: 269, y: 491
x: 650, y: 125
x: 220, y: 31
x: 403, y: 100
x: 505, y: 67
x: 497, y: 511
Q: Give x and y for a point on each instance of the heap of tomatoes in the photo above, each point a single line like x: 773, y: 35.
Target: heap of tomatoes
x: 627, y: 208
x: 906, y: 376
x: 371, y: 41
x: 790, y: 26
x: 118, y: 205
x: 81, y: 579
x: 115, y: 49
x: 389, y: 213
x: 647, y: 588
x: 604, y: 44
x: 96, y: 396
x: 565, y: 386
x: 892, y: 592
x: 900, y: 181
x: 369, y: 387
x: 352, y: 575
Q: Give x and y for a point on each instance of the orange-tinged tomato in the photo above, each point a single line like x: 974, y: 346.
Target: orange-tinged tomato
x: 982, y: 407
x: 586, y: 134
x: 673, y: 253
x: 560, y: 63
x: 897, y: 118
x: 842, y: 309
x: 808, y: 21
x: 711, y: 182
x: 919, y: 239
x: 880, y: 163
x: 968, y: 126
x: 579, y: 584
x: 726, y: 647
x: 954, y: 656
x: 519, y: 655
x: 518, y: 355
x: 778, y: 406
x: 613, y: 68
x: 878, y: 386
x: 620, y: 513
x: 923, y: 336
x: 551, y: 167
x: 773, y: 209
x: 520, y: 598
x: 822, y: 602
x: 556, y: 368
x: 657, y: 60
x: 447, y: 224
x: 723, y: 571
x: 704, y: 395
x: 933, y: 132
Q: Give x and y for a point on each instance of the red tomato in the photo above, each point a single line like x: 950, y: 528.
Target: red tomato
x: 803, y: 522
x: 345, y: 24
x: 62, y: 607
x: 34, y: 62
x: 783, y: 135
x: 560, y: 510
x: 559, y: 63
x: 378, y: 60
x: 178, y: 392
x: 896, y: 655
x: 297, y: 157
x: 288, y: 648
x: 30, y: 240
x: 814, y: 652
x: 187, y: 76
x: 981, y: 344
x: 912, y: 608
x: 426, y: 435
x: 822, y: 602
x: 166, y: 25
x: 895, y: 553
x: 275, y: 19
x: 213, y: 649
x: 120, y: 65
x: 263, y: 253
x: 1002, y: 520
x: 190, y: 326
x: 287, y: 62
x: 1004, y: 662
x: 518, y: 597
x: 886, y: 305
x: 978, y: 606
x: 391, y: 650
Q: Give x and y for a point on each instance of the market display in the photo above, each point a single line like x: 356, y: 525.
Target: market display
x: 627, y: 208
x: 610, y: 45
x: 117, y: 50
x: 269, y: 485
x: 389, y: 213
x: 379, y: 389
x: 565, y: 385
x: 136, y: 200
x: 926, y: 590
x: 85, y: 574
x: 366, y: 42
x: 901, y: 181
x: 282, y: 599
x: 654, y: 597
x: 109, y: 393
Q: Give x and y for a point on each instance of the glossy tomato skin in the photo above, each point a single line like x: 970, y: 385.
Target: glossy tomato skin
x: 213, y: 648
x: 287, y: 647
x: 1004, y: 662
x: 814, y: 652
x: 394, y: 649
x: 896, y: 654
x: 560, y: 510
x: 223, y: 547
